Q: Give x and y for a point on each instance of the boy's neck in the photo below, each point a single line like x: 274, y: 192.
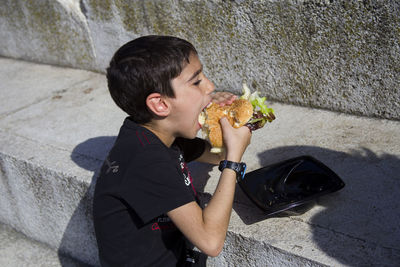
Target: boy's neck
x: 163, y: 135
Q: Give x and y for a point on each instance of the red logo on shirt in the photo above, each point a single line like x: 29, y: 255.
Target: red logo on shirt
x: 163, y: 223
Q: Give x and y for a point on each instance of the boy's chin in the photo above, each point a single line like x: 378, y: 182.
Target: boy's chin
x: 187, y: 135
x: 193, y: 133
x: 192, y: 136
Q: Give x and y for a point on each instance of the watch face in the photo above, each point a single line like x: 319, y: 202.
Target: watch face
x: 242, y: 171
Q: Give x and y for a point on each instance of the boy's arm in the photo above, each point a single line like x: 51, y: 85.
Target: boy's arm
x: 206, y: 228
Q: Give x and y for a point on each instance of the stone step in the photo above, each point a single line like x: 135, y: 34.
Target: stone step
x: 57, y: 124
x: 16, y: 249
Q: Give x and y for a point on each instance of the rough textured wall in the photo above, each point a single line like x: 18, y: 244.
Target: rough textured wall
x: 339, y: 55
x: 47, y: 31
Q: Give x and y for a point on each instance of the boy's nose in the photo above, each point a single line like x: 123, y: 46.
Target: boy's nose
x: 210, y: 87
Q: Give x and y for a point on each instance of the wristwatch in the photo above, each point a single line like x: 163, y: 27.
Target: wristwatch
x: 238, y: 167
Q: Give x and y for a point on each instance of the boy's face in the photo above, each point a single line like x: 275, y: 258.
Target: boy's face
x: 192, y: 94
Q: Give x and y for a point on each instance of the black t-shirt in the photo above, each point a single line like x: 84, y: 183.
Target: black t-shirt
x: 139, y: 182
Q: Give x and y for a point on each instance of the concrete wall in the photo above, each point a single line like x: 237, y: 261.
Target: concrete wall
x: 338, y: 55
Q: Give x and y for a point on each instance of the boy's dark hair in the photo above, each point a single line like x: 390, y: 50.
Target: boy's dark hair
x: 143, y: 66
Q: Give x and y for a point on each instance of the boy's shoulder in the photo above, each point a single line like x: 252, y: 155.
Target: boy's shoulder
x: 135, y: 133
x: 135, y: 149
x: 137, y: 141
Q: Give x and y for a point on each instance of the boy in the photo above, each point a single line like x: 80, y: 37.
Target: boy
x: 145, y: 207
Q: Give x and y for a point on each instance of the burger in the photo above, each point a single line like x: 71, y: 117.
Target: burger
x: 249, y: 110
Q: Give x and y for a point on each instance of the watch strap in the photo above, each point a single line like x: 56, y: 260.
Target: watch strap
x: 238, y: 167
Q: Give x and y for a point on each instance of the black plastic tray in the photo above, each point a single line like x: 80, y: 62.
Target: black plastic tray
x: 290, y: 183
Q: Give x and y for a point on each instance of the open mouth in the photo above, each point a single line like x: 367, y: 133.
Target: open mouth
x: 202, y: 115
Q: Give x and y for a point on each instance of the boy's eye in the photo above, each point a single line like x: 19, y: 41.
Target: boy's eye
x: 197, y: 82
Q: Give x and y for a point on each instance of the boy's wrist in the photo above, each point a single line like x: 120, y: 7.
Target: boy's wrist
x: 233, y: 157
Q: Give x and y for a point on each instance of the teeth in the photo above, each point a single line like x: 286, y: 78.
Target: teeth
x: 202, y: 118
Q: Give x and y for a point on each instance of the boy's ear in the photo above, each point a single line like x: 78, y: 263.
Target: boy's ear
x: 158, y: 104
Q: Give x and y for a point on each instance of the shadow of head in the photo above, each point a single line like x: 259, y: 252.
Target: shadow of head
x: 93, y: 149
x: 365, y: 211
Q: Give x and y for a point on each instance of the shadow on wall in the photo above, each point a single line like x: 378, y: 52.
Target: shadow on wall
x: 364, y: 215
x: 79, y: 240
x: 364, y: 212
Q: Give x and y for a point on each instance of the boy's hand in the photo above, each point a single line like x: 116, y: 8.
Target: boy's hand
x: 223, y: 98
x: 235, y: 140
